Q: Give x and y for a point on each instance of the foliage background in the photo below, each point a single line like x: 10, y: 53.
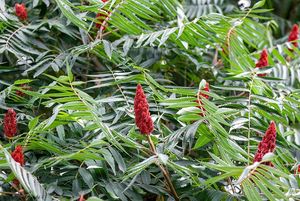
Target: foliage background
x: 77, y: 124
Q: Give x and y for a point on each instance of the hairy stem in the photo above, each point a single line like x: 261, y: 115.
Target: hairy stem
x: 164, y: 170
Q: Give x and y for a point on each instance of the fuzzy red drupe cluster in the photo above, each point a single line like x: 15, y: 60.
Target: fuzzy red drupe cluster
x: 18, y: 155
x: 10, y: 123
x: 263, y: 62
x: 141, y: 110
x: 294, y: 35
x: 24, y: 87
x: 101, y: 21
x: 267, y: 144
x: 21, y: 11
x: 203, y: 95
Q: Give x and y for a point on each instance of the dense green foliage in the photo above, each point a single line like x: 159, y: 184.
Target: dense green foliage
x: 72, y: 86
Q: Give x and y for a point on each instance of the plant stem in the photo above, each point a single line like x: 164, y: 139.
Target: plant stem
x: 164, y: 170
x: 152, y: 147
x: 8, y: 193
x: 249, y: 119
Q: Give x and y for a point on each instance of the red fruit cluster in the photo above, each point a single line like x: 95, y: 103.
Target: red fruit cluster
x: 141, y: 110
x: 101, y: 19
x: 24, y: 87
x: 294, y: 35
x: 203, y: 95
x: 206, y: 88
x: 263, y: 62
x: 21, y: 11
x: 18, y: 155
x: 10, y: 123
x: 297, y: 170
x: 267, y: 144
